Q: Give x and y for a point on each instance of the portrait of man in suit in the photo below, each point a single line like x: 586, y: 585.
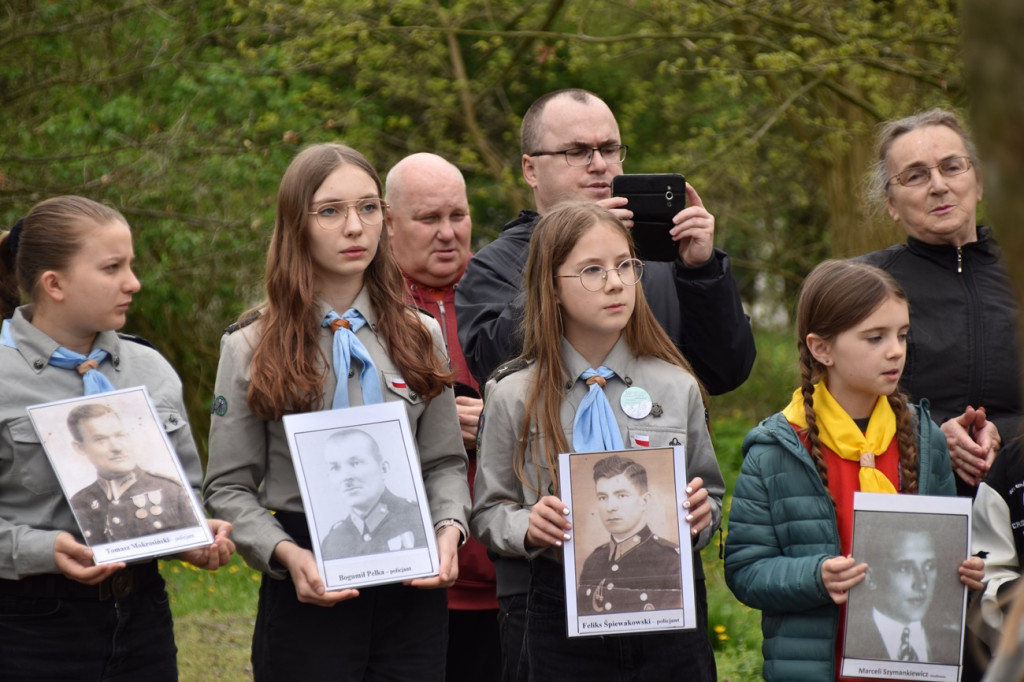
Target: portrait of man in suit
x: 898, y: 621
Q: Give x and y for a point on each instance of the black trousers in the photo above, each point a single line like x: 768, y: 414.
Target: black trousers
x: 53, y: 628
x: 389, y: 632
x: 614, y: 658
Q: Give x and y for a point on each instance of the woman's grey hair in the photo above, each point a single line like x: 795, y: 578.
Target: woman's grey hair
x: 890, y: 131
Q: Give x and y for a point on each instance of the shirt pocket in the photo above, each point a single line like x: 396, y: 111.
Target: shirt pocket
x: 172, y: 420
x: 395, y: 384
x: 31, y: 466
x: 645, y: 436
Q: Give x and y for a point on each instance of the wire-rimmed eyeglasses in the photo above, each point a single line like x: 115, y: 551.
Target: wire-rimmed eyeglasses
x: 593, y: 277
x: 332, y: 215
x: 919, y: 175
x: 582, y: 156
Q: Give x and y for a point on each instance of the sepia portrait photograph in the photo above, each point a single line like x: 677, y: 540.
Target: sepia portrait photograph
x: 625, y: 555
x: 119, y: 472
x: 909, y: 611
x: 363, y: 495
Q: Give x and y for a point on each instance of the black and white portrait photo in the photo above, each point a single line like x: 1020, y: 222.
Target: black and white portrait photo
x: 910, y: 606
x: 362, y: 491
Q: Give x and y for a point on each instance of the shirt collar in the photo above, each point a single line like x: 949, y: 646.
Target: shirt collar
x: 362, y: 304
x: 36, y: 347
x: 891, y: 632
x: 620, y: 360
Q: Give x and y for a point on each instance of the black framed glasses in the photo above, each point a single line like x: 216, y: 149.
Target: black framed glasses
x: 331, y: 216
x: 582, y: 156
x: 919, y: 175
x: 593, y: 277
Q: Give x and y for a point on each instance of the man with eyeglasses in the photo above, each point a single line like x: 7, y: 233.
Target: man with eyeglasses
x: 571, y: 149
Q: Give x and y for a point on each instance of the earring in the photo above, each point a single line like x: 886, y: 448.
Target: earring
x: 827, y: 361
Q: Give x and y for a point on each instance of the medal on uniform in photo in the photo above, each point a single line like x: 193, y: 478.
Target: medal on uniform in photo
x: 155, y: 497
x: 140, y: 502
x: 635, y: 402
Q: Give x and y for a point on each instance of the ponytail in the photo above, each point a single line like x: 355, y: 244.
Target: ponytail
x: 10, y: 297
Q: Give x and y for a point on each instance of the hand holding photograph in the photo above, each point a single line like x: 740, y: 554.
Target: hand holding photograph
x: 906, y: 619
x: 362, y: 491
x: 122, y: 478
x: 624, y: 563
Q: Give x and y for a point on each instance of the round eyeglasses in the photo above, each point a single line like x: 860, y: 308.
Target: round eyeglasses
x: 582, y: 156
x: 919, y: 175
x: 593, y: 277
x: 333, y: 215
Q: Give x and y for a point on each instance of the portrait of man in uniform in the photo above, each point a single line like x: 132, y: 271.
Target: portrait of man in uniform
x: 378, y: 520
x: 636, y: 569
x: 125, y: 501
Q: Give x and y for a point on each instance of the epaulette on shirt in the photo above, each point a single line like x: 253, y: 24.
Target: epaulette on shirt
x: 135, y: 339
x: 510, y: 367
x: 425, y: 312
x: 244, y: 322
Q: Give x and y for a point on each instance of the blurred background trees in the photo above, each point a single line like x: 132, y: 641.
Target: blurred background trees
x: 184, y: 113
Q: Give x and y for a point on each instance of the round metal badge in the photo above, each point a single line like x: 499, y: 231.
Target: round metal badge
x: 635, y: 402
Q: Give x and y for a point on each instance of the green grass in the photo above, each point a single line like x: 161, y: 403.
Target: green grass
x: 213, y: 619
x: 214, y: 612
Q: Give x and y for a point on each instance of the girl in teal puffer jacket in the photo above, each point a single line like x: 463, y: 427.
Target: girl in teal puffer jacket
x: 847, y: 429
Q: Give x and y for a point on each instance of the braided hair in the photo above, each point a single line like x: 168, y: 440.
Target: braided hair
x: 836, y: 296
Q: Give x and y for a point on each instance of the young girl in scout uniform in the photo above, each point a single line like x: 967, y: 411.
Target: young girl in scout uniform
x: 329, y: 259
x: 61, y: 616
x: 587, y: 318
x: 848, y: 428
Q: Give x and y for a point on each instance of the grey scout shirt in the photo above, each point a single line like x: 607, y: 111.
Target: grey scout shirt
x: 33, y: 510
x: 501, y: 510
x: 250, y: 470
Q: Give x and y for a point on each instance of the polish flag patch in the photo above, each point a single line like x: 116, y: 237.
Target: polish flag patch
x: 642, y: 441
x: 398, y: 382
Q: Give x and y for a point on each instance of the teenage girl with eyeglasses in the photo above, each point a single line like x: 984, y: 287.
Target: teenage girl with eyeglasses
x: 585, y: 316
x: 331, y: 279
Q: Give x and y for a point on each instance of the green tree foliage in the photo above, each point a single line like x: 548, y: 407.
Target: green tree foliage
x: 184, y: 113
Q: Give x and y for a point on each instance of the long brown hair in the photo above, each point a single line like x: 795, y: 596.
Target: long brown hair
x: 833, y: 298
x: 553, y: 239
x: 288, y: 367
x: 51, y: 234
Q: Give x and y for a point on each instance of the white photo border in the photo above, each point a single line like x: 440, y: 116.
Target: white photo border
x: 657, y: 620
x: 50, y: 423
x: 948, y: 510
x: 373, y: 569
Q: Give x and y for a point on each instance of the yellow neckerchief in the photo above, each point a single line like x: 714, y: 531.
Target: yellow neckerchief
x: 839, y: 433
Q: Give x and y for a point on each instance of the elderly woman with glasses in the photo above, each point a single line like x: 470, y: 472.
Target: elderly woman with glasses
x: 962, y: 353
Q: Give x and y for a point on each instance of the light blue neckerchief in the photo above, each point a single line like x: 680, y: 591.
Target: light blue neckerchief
x: 64, y: 358
x: 594, y: 428
x: 347, y: 346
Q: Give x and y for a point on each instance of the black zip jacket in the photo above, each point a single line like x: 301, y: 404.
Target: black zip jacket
x: 963, y: 344
x: 699, y: 308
